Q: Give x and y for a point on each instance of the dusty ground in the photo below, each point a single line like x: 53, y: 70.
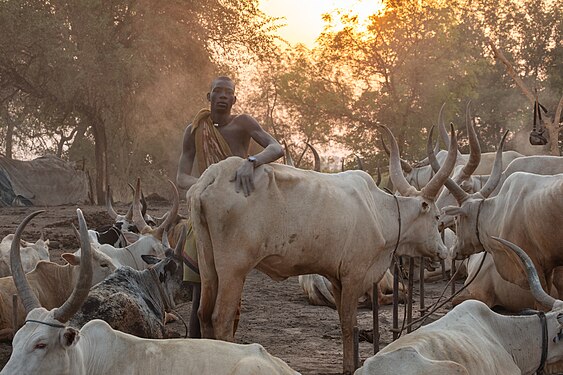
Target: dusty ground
x: 274, y: 314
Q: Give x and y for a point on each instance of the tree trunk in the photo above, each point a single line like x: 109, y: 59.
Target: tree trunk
x: 100, y: 147
x: 9, y: 138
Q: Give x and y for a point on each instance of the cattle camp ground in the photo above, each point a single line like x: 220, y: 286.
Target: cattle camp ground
x: 274, y: 314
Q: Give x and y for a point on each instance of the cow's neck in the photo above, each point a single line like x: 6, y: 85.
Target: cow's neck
x: 521, y: 336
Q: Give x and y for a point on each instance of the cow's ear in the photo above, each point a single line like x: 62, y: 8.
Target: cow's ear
x: 170, y: 267
x: 150, y: 259
x: 69, y: 337
x: 71, y: 259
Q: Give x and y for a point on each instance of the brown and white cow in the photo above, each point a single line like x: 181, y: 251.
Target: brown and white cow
x: 52, y: 283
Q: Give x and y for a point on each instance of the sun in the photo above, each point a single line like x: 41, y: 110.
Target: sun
x: 304, y: 18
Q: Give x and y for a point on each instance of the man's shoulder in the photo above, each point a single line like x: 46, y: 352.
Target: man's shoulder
x: 245, y: 120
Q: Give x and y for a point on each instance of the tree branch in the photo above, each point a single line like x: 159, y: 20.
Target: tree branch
x: 498, y: 54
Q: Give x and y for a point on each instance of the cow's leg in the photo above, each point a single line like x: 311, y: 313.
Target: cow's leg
x: 347, y: 305
x: 206, y: 306
x: 227, y: 303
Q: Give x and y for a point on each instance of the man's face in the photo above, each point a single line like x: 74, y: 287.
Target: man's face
x: 222, y: 96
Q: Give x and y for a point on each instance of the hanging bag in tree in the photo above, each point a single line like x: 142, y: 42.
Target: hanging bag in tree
x: 538, y: 135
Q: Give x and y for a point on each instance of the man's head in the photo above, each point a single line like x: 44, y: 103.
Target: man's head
x: 222, y: 95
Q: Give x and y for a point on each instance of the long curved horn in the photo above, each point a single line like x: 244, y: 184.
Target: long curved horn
x: 84, y: 282
x: 143, y: 204
x: 533, y: 279
x: 109, y: 207
x: 496, y: 173
x: 129, y: 214
x: 442, y: 127
x: 28, y: 297
x: 395, y: 171
x: 437, y: 181
x: 173, y: 213
x: 288, y: 158
x: 474, y: 148
x: 404, y: 164
x: 459, y: 194
x: 317, y: 157
x: 136, y: 216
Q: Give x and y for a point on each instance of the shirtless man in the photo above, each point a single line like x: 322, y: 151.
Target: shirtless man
x: 224, y: 135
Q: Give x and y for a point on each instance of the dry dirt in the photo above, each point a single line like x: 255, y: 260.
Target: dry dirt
x: 274, y: 314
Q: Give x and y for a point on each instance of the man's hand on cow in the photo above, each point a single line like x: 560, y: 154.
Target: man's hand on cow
x: 244, y: 178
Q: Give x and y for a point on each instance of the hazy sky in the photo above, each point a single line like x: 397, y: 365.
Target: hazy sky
x: 303, y: 17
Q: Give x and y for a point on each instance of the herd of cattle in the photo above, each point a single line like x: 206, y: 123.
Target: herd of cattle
x: 113, y: 297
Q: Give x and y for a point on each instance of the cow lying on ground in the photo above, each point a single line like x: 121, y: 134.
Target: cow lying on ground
x: 52, y: 283
x: 47, y: 345
x: 319, y: 291
x: 31, y: 254
x: 489, y: 287
x: 472, y: 339
x: 341, y: 226
x: 133, y: 301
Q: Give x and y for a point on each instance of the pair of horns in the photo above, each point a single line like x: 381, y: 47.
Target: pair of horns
x: 83, y: 284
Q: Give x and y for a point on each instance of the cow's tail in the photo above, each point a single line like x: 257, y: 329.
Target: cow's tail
x: 206, y: 259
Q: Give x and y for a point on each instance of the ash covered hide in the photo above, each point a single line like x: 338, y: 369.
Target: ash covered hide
x: 135, y: 301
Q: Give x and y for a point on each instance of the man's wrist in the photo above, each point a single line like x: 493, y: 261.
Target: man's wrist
x: 252, y: 159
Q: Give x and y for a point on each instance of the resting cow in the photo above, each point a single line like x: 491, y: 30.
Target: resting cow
x: 473, y: 340
x: 134, y: 301
x: 47, y: 345
x: 489, y: 287
x: 341, y: 226
x: 31, y: 254
x: 51, y: 282
x: 319, y: 291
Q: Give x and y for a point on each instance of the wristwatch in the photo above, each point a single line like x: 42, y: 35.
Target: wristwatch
x: 252, y: 159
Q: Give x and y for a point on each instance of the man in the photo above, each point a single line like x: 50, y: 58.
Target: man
x: 215, y: 135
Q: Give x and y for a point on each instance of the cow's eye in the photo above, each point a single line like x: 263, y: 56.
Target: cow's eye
x: 40, y: 346
x: 104, y: 265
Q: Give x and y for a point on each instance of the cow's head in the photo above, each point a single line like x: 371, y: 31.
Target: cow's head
x: 467, y: 215
x: 420, y: 236
x: 102, y: 265
x: 45, y: 345
x: 168, y: 271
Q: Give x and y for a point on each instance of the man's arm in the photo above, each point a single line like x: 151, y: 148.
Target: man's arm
x: 244, y: 177
x: 184, y: 178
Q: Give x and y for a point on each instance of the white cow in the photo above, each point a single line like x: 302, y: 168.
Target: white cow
x: 472, y: 339
x: 489, y: 287
x: 527, y: 211
x: 541, y: 164
x: 31, y: 254
x: 341, y: 226
x: 320, y: 292
x: 46, y: 345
